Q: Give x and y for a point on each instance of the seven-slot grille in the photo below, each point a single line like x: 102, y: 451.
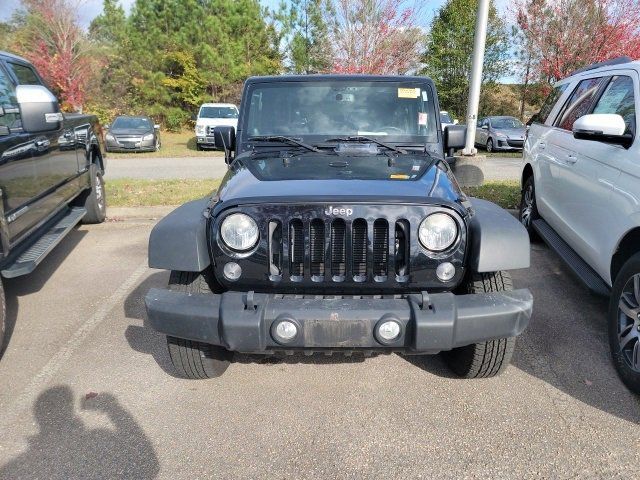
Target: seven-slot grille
x: 334, y: 250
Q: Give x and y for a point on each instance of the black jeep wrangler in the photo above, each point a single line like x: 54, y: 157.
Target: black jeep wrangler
x: 339, y: 227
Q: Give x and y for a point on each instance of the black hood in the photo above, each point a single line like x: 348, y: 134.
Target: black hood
x: 406, y: 177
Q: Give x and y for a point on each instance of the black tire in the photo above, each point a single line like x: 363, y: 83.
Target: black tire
x: 624, y: 330
x: 528, y: 211
x: 198, y: 147
x: 3, y: 316
x: 191, y: 359
x: 94, y: 200
x: 490, y: 358
x: 490, y: 145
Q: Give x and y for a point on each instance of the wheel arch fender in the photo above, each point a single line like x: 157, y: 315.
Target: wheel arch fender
x: 628, y: 246
x: 498, y: 241
x: 527, y: 172
x: 179, y: 240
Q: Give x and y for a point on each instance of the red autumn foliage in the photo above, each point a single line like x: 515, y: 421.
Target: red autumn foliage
x: 560, y: 36
x: 54, y: 42
x: 375, y: 37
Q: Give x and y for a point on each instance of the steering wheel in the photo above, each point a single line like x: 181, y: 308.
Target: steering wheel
x: 392, y: 128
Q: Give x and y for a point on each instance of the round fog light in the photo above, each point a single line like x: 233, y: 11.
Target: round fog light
x: 285, y: 331
x: 389, y: 330
x: 445, y: 271
x: 232, y: 271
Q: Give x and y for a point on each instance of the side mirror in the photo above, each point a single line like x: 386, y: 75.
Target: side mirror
x: 224, y: 138
x: 39, y: 109
x: 603, y: 127
x: 454, y: 138
x: 156, y: 127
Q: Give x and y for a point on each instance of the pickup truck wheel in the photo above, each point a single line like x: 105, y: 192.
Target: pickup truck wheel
x: 624, y: 323
x: 94, y: 200
x: 485, y: 359
x: 191, y: 359
x: 198, y: 147
x: 528, y: 211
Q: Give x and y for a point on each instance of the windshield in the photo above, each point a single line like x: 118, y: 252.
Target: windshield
x: 506, y: 123
x: 132, y: 123
x: 445, y: 118
x: 218, y: 112
x: 400, y: 111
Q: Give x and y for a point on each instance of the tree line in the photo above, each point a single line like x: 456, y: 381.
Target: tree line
x: 166, y: 57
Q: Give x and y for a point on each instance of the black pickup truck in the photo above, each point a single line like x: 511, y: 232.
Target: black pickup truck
x: 51, y: 168
x: 339, y: 228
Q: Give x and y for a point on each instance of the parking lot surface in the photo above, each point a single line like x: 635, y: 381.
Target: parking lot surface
x: 87, y: 391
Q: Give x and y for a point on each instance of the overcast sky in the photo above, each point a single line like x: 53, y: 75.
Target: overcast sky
x: 91, y: 8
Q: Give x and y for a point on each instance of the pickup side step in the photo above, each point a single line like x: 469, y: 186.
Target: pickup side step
x: 576, y: 264
x: 28, y: 260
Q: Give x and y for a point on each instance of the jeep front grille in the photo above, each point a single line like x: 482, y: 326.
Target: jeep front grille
x: 332, y: 250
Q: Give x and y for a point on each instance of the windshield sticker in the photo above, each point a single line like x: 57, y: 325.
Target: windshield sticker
x: 425, y: 96
x: 398, y: 176
x: 408, y: 92
x: 422, y: 118
x: 416, y: 168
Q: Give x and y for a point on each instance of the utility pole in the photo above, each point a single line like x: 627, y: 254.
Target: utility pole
x: 476, y: 75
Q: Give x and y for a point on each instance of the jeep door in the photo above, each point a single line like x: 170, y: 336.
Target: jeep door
x: 595, y: 209
x: 56, y: 163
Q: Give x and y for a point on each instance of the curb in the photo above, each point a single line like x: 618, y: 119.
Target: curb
x: 118, y: 214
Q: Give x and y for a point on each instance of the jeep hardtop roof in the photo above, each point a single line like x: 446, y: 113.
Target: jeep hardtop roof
x: 338, y: 77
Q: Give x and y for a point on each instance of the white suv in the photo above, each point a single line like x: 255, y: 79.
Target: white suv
x: 213, y: 115
x: 581, y: 192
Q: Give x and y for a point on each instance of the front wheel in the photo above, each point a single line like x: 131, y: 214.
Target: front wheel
x: 484, y: 359
x: 624, y: 323
x: 191, y: 359
x: 528, y: 211
x: 490, y: 145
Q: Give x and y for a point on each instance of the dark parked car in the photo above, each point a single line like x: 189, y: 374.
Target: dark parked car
x: 500, y: 134
x: 51, y: 168
x: 133, y: 134
x: 339, y: 227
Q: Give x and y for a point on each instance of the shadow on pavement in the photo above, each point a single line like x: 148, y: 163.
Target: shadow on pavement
x: 566, y: 343
x: 65, y: 448
x: 32, y: 283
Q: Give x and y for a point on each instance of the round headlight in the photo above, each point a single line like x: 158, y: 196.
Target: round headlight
x: 239, y: 232
x: 438, y: 232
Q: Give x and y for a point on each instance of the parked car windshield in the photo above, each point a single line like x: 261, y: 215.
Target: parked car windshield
x: 445, y: 118
x: 394, y: 111
x: 506, y: 123
x: 218, y: 112
x: 132, y: 123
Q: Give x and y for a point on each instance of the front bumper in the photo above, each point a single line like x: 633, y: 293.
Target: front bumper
x: 142, y: 146
x: 508, y: 144
x: 207, y: 141
x: 429, y: 323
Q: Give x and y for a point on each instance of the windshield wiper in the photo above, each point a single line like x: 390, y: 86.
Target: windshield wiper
x: 283, y: 139
x: 359, y: 138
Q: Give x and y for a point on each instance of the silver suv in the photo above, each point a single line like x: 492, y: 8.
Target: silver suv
x: 581, y: 192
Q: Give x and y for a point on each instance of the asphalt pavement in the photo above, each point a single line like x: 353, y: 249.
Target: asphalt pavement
x: 88, y: 391
x: 214, y: 167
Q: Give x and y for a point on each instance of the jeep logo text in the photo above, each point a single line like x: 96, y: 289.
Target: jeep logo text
x: 338, y: 211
